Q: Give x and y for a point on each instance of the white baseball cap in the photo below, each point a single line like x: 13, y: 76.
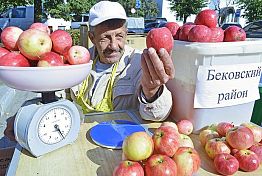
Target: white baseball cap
x: 106, y: 10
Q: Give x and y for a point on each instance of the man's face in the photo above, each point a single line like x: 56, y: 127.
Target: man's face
x: 109, y: 41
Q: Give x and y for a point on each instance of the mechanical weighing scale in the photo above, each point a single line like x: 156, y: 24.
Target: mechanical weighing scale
x: 45, y: 123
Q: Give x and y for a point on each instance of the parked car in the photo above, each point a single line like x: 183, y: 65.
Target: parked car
x: 226, y: 25
x: 23, y: 17
x: 254, y: 29
x: 152, y: 25
x: 135, y: 25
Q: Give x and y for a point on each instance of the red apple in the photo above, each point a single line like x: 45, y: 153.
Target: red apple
x: 160, y: 165
x: 185, y: 141
x: 216, y: 146
x: 206, y: 135
x: 128, y: 168
x: 77, y: 55
x: 248, y: 160
x: 187, y: 160
x: 256, y: 130
x: 3, y: 51
x: 40, y: 26
x: 226, y: 164
x: 14, y: 59
x: 9, y: 37
x: 176, y: 37
x: 61, y: 41
x: 160, y: 38
x: 173, y: 27
x: 171, y: 124
x: 217, y: 34
x: 50, y: 59
x: 183, y: 34
x: 199, y: 33
x: 257, y: 149
x: 223, y: 127
x: 207, y: 17
x: 138, y: 146
x: 33, y: 43
x: 240, y: 137
x: 166, y: 140
x: 234, y: 34
x: 234, y: 151
x: 185, y: 127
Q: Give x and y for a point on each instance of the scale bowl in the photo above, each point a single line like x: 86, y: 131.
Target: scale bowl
x: 44, y: 79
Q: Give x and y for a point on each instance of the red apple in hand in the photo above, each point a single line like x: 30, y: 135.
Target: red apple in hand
x: 187, y: 160
x: 206, y: 135
x: 256, y: 130
x: 128, y: 168
x: 257, y: 149
x: 50, y: 59
x: 240, y: 137
x: 77, y: 55
x: 160, y: 165
x: 199, y: 33
x: 173, y: 27
x: 216, y: 146
x: 40, y: 26
x: 32, y: 43
x: 248, y: 160
x: 138, y: 146
x: 62, y: 40
x: 3, y: 51
x: 166, y: 141
x: 223, y: 127
x: 185, y: 127
x: 14, y: 59
x: 160, y: 38
x: 234, y: 33
x: 207, y: 17
x: 9, y: 37
x: 226, y: 164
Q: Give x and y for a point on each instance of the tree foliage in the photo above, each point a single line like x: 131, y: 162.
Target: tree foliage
x: 59, y: 9
x: 5, y: 4
x: 148, y: 8
x: 185, y: 8
x: 253, y: 9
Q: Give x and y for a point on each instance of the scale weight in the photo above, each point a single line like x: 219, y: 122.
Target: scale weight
x: 46, y: 123
x: 42, y: 127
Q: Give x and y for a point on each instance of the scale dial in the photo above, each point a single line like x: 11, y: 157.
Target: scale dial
x: 42, y: 128
x: 54, y: 126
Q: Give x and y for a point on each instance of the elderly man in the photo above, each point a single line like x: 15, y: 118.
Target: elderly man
x: 123, y: 77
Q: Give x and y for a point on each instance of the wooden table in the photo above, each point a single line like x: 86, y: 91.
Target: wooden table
x: 84, y: 157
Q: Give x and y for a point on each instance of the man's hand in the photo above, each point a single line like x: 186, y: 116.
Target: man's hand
x: 158, y: 69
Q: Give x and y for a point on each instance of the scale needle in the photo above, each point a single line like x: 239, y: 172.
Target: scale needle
x: 58, y: 129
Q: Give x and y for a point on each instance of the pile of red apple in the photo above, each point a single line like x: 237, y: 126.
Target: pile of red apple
x: 168, y: 152
x: 233, y: 147
x: 205, y: 29
x: 36, y: 46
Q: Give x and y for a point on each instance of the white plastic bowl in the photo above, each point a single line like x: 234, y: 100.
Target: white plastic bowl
x: 43, y: 79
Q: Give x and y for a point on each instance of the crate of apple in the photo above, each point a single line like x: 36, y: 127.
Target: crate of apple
x: 205, y: 29
x: 36, y: 47
x: 169, y: 151
x: 232, y: 147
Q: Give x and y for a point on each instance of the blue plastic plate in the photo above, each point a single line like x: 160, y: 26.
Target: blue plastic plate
x: 111, y: 134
